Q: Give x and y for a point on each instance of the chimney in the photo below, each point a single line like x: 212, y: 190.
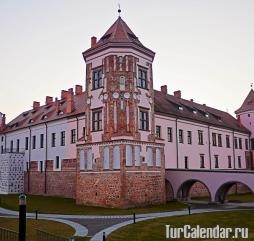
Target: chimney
x: 36, y: 105
x: 64, y: 94
x: 49, y: 100
x: 78, y: 89
x: 93, y: 41
x: 70, y: 101
x: 57, y: 104
x: 164, y: 89
x: 177, y: 94
x: 2, y: 121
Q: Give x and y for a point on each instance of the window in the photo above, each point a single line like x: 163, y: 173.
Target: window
x: 41, y: 141
x: 170, y: 136
x: 128, y: 155
x: 227, y: 141
x: 122, y: 83
x: 2, y: 149
x: 186, y: 166
x: 34, y: 142
x: 202, y: 161
x: 97, y: 120
x: 142, y: 78
x: 2, y: 138
x: 137, y: 156
x: 180, y: 134
x: 189, y: 137
x: 62, y: 138
x: 158, y: 131
x: 219, y: 140
x: 144, y: 120
x: 158, y: 157
x: 246, y: 144
x: 41, y: 166
x: 57, y: 163
x: 252, y: 143
x: 116, y: 157
x: 82, y: 160
x: 17, y: 145
x: 73, y: 136
x: 200, y: 137
x: 149, y: 156
x: 97, y: 78
x: 26, y: 143
x: 214, y: 139
x: 53, y: 139
x: 11, y: 146
x: 216, y: 157
x: 239, y: 162
x: 89, y: 159
x: 236, y: 143
x: 240, y: 143
x: 229, y: 162
x: 106, y: 157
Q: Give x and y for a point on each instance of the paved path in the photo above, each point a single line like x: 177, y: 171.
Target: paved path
x: 95, y: 225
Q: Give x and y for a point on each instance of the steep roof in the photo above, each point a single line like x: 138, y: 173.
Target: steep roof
x: 248, y: 103
x: 118, y: 35
x: 169, y: 105
x: 119, y: 32
x: 47, y: 113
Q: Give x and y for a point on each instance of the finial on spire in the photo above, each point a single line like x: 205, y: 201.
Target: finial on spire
x: 251, y: 85
x: 119, y: 10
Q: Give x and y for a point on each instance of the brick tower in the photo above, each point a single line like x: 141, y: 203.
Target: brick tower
x: 120, y: 162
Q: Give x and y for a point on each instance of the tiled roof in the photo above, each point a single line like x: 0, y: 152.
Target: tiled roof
x: 169, y: 105
x: 47, y: 113
x: 248, y: 103
x: 118, y: 35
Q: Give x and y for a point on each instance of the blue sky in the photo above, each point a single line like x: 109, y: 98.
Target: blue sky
x: 203, y: 47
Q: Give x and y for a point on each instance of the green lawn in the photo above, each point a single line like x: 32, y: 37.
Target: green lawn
x: 45, y: 204
x: 52, y: 227
x: 152, y: 230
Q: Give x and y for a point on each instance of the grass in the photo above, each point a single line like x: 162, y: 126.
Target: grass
x: 155, y: 229
x: 237, y: 198
x: 52, y: 227
x: 45, y: 204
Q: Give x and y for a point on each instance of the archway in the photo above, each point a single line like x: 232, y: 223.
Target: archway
x: 234, y: 191
x: 169, y: 191
x: 193, y: 190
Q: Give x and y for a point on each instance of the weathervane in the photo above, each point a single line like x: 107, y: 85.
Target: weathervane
x: 119, y: 9
x: 251, y: 85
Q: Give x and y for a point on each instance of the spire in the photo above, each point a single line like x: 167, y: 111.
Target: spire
x: 248, y: 103
x: 119, y: 10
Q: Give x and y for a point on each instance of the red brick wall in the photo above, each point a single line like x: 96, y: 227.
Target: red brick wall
x: 58, y: 183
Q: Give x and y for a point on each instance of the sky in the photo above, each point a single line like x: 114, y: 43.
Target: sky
x: 203, y: 47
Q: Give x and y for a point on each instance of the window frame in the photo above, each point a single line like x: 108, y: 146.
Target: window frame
x: 97, y: 120
x: 97, y: 82
x: 158, y: 131
x: 63, y: 138
x: 200, y: 137
x: 143, y: 119
x: 73, y: 136
x: 142, y: 80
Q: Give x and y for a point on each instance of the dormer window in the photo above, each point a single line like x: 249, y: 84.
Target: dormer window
x: 180, y: 107
x: 142, y: 78
x: 60, y: 112
x: 97, y: 79
x: 195, y: 112
x: 31, y: 121
x: 207, y: 115
x: 44, y: 117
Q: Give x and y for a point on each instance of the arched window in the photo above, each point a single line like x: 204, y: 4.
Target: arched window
x: 82, y: 160
x: 158, y: 157
x: 116, y: 156
x: 89, y: 159
x: 137, y: 156
x: 106, y: 158
x: 149, y: 156
x: 128, y: 155
x: 122, y: 83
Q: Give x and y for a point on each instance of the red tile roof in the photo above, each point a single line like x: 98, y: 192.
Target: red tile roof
x: 248, y: 103
x: 118, y: 35
x: 170, y: 105
x: 47, y: 113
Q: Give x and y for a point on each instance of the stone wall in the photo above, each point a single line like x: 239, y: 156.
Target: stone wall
x: 52, y: 183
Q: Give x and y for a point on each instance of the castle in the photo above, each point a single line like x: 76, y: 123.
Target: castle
x: 111, y: 144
